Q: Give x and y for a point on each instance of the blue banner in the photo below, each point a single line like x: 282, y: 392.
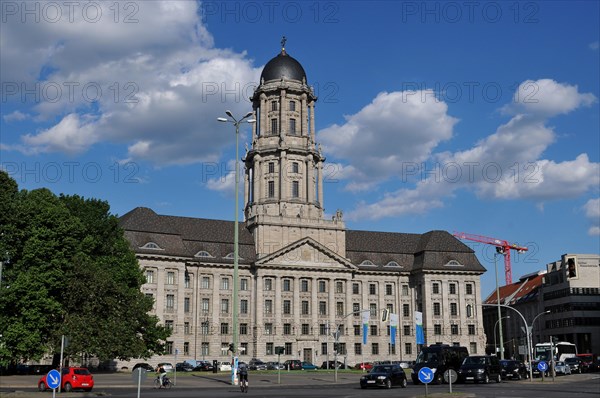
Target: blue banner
x: 419, y: 326
x: 393, y: 328
x: 365, y: 319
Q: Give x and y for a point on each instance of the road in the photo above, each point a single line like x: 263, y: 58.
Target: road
x: 307, y: 384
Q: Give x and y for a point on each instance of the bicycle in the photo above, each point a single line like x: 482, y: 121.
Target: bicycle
x: 244, y: 385
x: 166, y: 382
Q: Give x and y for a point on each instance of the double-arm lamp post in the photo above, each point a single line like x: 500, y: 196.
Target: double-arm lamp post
x: 236, y: 123
x: 496, y: 324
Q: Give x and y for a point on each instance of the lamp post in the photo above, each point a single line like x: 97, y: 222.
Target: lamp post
x: 236, y: 123
x: 533, y: 322
x: 496, y: 324
x: 499, y: 250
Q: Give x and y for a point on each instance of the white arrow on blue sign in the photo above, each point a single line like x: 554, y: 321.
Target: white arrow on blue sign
x: 53, y: 379
x: 542, y: 366
x: 425, y: 375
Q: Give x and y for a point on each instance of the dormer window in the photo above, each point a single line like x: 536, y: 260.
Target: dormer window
x: 230, y: 256
x: 202, y: 253
x: 367, y: 262
x: 453, y: 263
x: 392, y: 264
x: 151, y: 246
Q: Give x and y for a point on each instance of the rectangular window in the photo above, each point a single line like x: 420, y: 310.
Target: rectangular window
x: 186, y: 348
x: 295, y: 189
x: 356, y: 330
x: 293, y: 106
x: 205, y: 305
x: 305, y: 328
x: 274, y: 129
x: 356, y: 309
x: 471, y: 330
x: 469, y: 288
x: 186, y: 328
x: 389, y: 289
x: 243, y: 306
x: 287, y: 307
x: 205, y: 349
x: 287, y: 285
x: 323, y: 348
x: 271, y: 167
x: 268, y: 307
x: 288, y: 348
x: 373, y: 330
x: 224, y: 283
x: 292, y: 126
x: 170, y: 278
x: 204, y: 328
x: 243, y: 328
x: 437, y: 309
x: 186, y: 304
x: 339, y: 287
x: 406, y: 310
x: 342, y: 349
x: 437, y: 329
x: 224, y: 328
x: 170, y: 302
x: 268, y: 328
x: 205, y: 282
x: 435, y: 288
x: 268, y: 284
x: 186, y: 280
x: 339, y: 308
x: 273, y: 105
x: 243, y: 348
x: 323, y: 329
x: 373, y: 309
x: 271, y: 186
x: 244, y: 284
x: 169, y: 347
x: 305, y: 307
x: 453, y: 309
x: 322, y: 287
x: 149, y: 276
x: 224, y: 306
x: 390, y: 308
x: 472, y: 348
x: 169, y: 325
x: 372, y: 288
x: 304, y: 285
x: 406, y: 330
x: 295, y: 167
x: 375, y: 348
x: 355, y: 288
x: 408, y: 348
x: 269, y: 349
x: 454, y: 329
x: 405, y: 290
x: 392, y: 349
x: 357, y: 348
x: 287, y: 328
x: 322, y: 308
x: 452, y: 288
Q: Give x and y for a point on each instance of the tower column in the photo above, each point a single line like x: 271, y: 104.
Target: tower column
x: 263, y: 114
x: 303, y: 116
x: 283, y: 178
x: 246, y: 186
x: 312, y: 121
x: 320, y: 183
x: 257, y: 178
x: 283, y: 127
x: 310, y: 179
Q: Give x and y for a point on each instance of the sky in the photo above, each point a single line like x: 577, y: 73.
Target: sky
x: 477, y: 117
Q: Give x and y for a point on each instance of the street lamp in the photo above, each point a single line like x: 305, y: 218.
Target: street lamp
x: 236, y: 123
x: 496, y: 324
x: 499, y: 250
x: 533, y: 322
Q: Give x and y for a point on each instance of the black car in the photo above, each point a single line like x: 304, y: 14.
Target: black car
x: 574, y: 363
x: 515, y: 370
x: 257, y: 364
x: 332, y: 365
x: 384, y: 376
x: 293, y: 364
x: 184, y: 367
x: 203, y: 366
x: 482, y: 368
x: 146, y: 366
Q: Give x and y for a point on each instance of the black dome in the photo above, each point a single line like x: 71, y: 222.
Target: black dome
x: 283, y: 66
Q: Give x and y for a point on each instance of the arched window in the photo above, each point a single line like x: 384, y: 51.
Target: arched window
x: 392, y: 264
x: 202, y: 253
x: 151, y: 245
x: 367, y: 262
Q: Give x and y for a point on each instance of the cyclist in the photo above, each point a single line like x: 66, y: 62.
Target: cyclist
x: 243, y: 372
x: 161, y: 375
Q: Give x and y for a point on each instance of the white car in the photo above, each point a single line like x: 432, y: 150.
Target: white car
x: 168, y: 367
x: 224, y: 366
x: 562, y: 368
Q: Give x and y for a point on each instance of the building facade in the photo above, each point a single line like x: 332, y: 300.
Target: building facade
x: 302, y: 275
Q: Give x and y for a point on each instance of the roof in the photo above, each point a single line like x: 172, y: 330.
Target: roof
x: 526, y: 289
x: 283, y: 66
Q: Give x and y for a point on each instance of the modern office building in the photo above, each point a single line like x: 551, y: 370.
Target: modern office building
x: 302, y: 274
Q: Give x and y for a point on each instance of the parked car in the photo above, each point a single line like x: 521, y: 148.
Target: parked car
x: 274, y: 366
x: 482, y: 368
x: 574, y: 363
x: 589, y: 362
x: 515, y: 370
x: 384, y: 376
x: 293, y: 364
x: 224, y: 366
x: 71, y: 379
x: 364, y: 366
x: 183, y: 367
x: 562, y: 368
x: 439, y: 358
x: 332, y: 365
x: 203, y: 366
x: 308, y: 366
x: 146, y: 366
x: 168, y: 367
x: 257, y: 364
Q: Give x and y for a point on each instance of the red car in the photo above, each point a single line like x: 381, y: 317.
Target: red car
x: 72, y: 379
x: 364, y: 366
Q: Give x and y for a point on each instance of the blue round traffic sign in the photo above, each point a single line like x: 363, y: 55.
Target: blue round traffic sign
x: 542, y: 366
x: 53, y: 379
x: 425, y: 375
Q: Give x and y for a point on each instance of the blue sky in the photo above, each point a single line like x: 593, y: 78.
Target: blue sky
x: 480, y: 117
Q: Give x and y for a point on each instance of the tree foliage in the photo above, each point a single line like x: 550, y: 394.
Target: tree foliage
x: 71, y: 273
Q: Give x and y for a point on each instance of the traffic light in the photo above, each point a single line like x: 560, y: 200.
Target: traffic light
x: 230, y: 347
x: 336, y: 347
x: 279, y: 350
x: 571, y: 268
x: 385, y: 315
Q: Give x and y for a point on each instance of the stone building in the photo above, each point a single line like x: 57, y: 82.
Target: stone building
x: 302, y: 274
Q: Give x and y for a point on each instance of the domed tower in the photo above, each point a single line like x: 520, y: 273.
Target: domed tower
x: 284, y: 167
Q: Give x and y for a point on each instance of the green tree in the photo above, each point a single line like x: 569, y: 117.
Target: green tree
x: 71, y: 272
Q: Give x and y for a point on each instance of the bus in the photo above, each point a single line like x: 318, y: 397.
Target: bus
x: 562, y: 351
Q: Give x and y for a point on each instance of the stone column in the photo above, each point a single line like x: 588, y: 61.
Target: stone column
x: 246, y: 187
x: 303, y: 116
x: 312, y: 121
x: 283, y: 127
x: 263, y: 114
x: 283, y: 178
x: 278, y: 305
x: 320, y: 183
x: 259, y: 311
x: 314, y: 302
x: 310, y: 179
x: 257, y: 179
x: 296, y: 297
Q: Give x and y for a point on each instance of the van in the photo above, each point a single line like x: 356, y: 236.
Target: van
x: 439, y: 357
x: 480, y: 368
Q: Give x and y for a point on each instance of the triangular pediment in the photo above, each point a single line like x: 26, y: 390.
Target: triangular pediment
x: 308, y: 253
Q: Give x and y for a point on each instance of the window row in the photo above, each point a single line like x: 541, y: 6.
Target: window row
x: 436, y: 288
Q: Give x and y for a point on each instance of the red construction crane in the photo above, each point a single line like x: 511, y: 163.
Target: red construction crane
x: 502, y: 247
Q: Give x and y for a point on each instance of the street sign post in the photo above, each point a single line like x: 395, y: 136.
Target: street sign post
x: 450, y: 376
x: 542, y: 367
x: 425, y: 376
x: 53, y: 380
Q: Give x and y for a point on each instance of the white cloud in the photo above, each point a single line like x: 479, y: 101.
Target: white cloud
x: 594, y: 45
x: 72, y: 135
x: 224, y: 181
x: 592, y: 211
x: 394, y: 128
x: 16, y: 116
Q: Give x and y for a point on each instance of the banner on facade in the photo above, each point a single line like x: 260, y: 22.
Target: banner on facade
x: 419, y: 326
x: 393, y: 328
x: 365, y: 320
